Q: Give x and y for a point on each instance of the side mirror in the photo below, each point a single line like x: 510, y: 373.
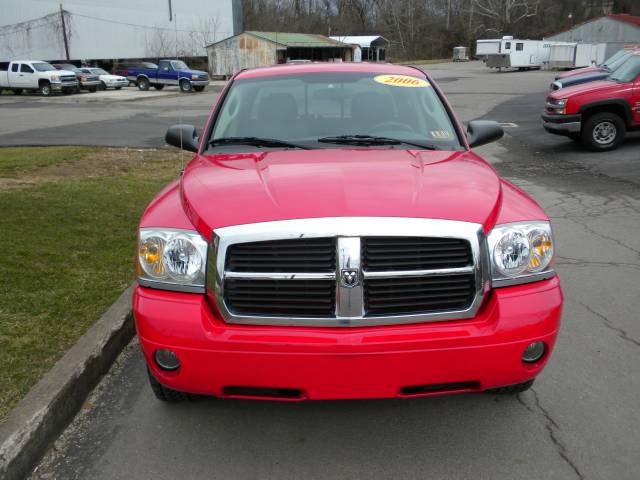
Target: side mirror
x: 481, y: 132
x: 183, y: 136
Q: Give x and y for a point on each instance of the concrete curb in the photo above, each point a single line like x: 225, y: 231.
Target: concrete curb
x: 51, y: 404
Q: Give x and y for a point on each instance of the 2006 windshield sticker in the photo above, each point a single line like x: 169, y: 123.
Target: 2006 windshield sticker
x: 401, y: 81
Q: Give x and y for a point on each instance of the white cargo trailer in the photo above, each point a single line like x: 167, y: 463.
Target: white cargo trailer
x: 576, y: 55
x: 486, y: 47
x: 521, y: 54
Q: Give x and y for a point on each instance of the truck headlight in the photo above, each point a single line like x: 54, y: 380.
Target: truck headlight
x: 171, y: 259
x: 55, y: 78
x: 194, y: 77
x: 520, y: 253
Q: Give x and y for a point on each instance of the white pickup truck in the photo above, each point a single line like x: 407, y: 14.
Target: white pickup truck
x: 35, y: 75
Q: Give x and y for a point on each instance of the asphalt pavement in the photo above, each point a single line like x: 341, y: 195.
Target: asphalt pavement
x: 580, y: 420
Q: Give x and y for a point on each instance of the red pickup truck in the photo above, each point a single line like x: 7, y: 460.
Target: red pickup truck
x: 598, y: 114
x: 336, y: 237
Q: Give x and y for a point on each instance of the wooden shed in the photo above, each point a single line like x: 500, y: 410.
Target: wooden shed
x: 255, y: 49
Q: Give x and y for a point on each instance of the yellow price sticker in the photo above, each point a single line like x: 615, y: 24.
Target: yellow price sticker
x: 401, y: 81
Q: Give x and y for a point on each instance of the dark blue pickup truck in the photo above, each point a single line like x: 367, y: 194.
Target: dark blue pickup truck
x: 169, y: 72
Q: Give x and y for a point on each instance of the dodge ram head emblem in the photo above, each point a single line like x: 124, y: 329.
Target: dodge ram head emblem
x: 349, y: 278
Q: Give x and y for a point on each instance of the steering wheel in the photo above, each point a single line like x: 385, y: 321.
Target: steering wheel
x: 403, y: 127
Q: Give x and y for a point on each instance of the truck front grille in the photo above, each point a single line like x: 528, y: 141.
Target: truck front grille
x: 414, y: 253
x: 294, y: 276
x: 299, y: 255
x: 305, y: 298
x: 414, y: 295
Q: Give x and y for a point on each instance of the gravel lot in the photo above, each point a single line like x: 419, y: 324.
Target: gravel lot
x: 581, y: 420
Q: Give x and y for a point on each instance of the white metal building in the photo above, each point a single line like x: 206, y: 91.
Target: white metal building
x: 616, y: 30
x: 372, y: 48
x: 114, y: 29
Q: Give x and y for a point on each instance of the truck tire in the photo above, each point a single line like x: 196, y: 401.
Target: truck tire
x: 103, y: 86
x: 118, y: 88
x: 185, y: 86
x: 158, y: 86
x: 167, y: 394
x: 199, y: 89
x: 45, y: 89
x: 17, y: 91
x: 143, y: 84
x: 93, y: 89
x: 603, y: 131
x: 512, y: 389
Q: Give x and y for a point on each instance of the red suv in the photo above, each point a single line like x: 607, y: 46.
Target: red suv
x: 336, y: 237
x: 598, y: 114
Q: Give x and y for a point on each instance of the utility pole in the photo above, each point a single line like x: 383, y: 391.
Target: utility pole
x: 448, y: 14
x: 64, y: 33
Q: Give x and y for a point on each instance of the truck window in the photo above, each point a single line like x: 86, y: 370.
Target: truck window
x: 26, y: 68
x: 519, y: 47
x: 14, y: 67
x: 507, y: 46
x: 165, y: 67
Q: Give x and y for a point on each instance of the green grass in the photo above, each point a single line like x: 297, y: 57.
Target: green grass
x: 67, y: 241
x: 15, y: 160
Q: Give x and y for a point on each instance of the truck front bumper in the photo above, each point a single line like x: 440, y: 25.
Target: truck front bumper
x: 562, y: 124
x: 61, y: 86
x: 200, y: 83
x: 220, y: 359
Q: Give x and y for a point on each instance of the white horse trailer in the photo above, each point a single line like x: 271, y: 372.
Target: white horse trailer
x: 520, y: 54
x: 576, y: 55
x: 460, y: 54
x: 486, y: 47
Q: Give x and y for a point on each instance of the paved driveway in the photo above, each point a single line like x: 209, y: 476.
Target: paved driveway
x: 581, y: 419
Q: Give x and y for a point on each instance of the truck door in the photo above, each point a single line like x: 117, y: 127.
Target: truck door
x: 26, y: 76
x: 14, y: 76
x: 166, y: 74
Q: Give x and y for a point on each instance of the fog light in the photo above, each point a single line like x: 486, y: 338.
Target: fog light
x: 533, y: 352
x: 166, y: 359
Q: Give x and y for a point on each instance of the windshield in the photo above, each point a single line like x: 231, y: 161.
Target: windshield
x: 179, y: 65
x: 619, y: 61
x: 628, y: 71
x: 43, y: 66
x: 98, y: 71
x: 614, y: 57
x: 305, y: 108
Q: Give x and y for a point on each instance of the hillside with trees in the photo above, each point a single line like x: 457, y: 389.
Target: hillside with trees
x: 423, y: 29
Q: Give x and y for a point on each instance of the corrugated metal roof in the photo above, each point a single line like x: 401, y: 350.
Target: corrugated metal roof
x: 363, y: 41
x: 621, y: 17
x: 297, y: 39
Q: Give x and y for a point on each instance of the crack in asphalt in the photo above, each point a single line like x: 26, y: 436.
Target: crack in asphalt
x: 609, y: 324
x: 605, y: 237
x: 579, y: 262
x: 553, y: 429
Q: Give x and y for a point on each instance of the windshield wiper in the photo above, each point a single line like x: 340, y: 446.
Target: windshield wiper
x: 371, y: 140
x: 255, y: 142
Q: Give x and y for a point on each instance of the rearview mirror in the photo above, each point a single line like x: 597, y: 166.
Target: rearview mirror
x: 183, y: 136
x: 481, y: 132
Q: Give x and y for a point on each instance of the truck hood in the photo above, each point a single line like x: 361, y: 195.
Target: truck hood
x: 579, y: 71
x: 583, y: 88
x: 235, y: 189
x: 61, y: 72
x: 583, y: 78
x: 197, y: 72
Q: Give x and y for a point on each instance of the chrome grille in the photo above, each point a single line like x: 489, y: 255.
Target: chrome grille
x: 307, y: 298
x: 341, y: 272
x: 414, y: 253
x: 299, y: 255
x: 390, y: 296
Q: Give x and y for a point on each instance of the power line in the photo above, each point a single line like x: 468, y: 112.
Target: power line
x: 148, y: 27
